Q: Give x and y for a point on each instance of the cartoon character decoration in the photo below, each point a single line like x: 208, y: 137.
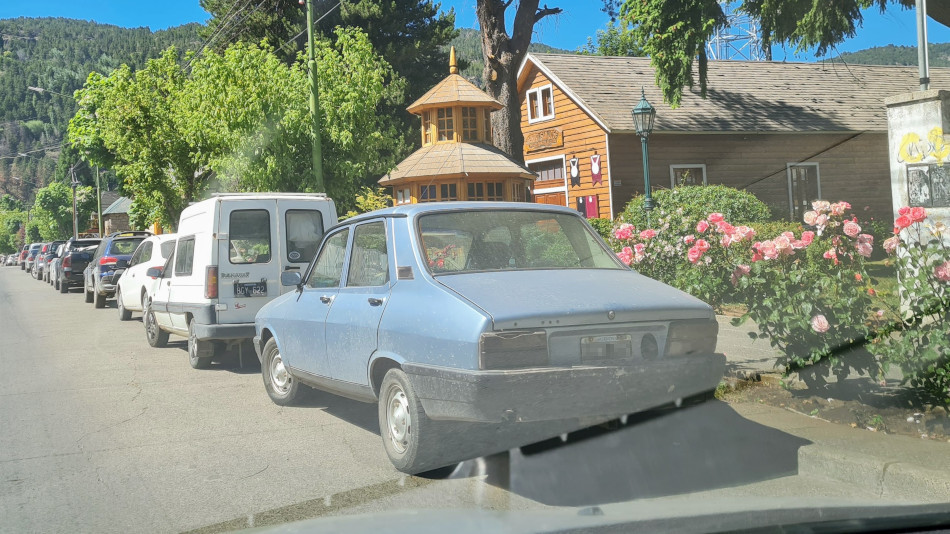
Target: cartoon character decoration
x: 588, y: 206
x: 575, y: 171
x: 596, y: 176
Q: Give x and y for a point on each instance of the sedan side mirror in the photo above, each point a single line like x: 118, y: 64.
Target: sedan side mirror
x: 154, y: 272
x: 290, y: 278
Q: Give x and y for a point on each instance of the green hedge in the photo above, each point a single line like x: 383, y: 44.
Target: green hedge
x: 739, y: 207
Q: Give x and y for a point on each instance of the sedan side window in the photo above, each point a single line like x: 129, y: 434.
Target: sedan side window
x: 328, y: 269
x: 369, y: 262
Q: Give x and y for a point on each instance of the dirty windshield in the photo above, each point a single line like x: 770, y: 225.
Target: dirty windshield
x: 475, y: 265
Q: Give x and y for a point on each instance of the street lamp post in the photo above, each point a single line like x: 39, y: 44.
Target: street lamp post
x: 643, y: 116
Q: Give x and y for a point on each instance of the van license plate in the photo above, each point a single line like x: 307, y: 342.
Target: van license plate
x: 250, y: 289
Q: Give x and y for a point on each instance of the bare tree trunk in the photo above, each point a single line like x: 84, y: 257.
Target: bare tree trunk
x: 503, y: 55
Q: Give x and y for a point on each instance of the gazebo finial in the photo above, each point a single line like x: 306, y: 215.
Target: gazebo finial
x: 453, y: 66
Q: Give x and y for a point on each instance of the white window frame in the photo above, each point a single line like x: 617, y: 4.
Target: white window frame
x: 686, y: 166
x: 403, y: 196
x: 788, y: 176
x: 539, y: 113
x: 560, y: 189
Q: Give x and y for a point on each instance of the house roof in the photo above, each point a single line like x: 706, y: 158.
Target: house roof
x: 742, y: 96
x: 454, y: 89
x: 455, y: 159
x: 121, y: 205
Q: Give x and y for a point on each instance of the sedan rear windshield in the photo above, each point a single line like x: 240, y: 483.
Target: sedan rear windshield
x: 506, y: 240
x: 125, y: 246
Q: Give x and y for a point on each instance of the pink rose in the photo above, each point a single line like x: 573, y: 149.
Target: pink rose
x: 830, y: 254
x: 807, y: 237
x: 626, y: 255
x: 639, y: 248
x: 701, y: 227
x: 725, y: 240
x: 715, y: 217
x: 756, y: 255
x: 739, y: 272
x: 942, y: 272
x: 902, y: 222
x: 694, y: 254
x: 624, y: 232
x: 783, y: 245
x: 890, y: 244
x: 863, y: 249
x: 725, y: 228
x: 689, y: 239
x: 648, y: 234
x: 918, y: 214
x: 810, y: 217
x: 821, y: 206
x: 820, y: 324
x: 866, y: 238
x: 851, y: 229
x: 821, y: 220
x: 904, y: 211
x: 768, y: 250
x: 788, y: 235
x: 838, y: 208
x: 798, y: 244
x: 745, y: 232
x: 702, y: 245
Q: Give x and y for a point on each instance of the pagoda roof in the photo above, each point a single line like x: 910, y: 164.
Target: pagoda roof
x: 445, y: 160
x: 454, y: 89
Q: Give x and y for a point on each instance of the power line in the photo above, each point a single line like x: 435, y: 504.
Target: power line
x: 25, y: 154
x: 226, y: 26
x: 295, y: 37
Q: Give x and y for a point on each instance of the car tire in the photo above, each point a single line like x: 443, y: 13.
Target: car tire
x: 200, y: 352
x: 282, y: 388
x: 124, y: 314
x: 410, y: 438
x: 62, y: 286
x: 87, y: 292
x: 155, y: 336
x: 99, y: 299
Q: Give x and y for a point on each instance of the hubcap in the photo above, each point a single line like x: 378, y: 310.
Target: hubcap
x: 150, y: 325
x: 398, y: 420
x: 278, y: 374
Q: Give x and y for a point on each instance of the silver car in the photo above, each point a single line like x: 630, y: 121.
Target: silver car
x: 481, y: 312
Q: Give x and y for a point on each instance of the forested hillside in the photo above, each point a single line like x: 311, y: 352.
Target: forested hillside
x: 57, y: 54
x: 468, y: 46
x: 897, y: 55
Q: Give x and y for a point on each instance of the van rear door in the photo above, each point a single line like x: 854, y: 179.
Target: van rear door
x: 248, y: 271
x: 302, y: 223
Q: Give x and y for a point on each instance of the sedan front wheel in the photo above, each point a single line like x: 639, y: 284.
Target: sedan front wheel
x: 282, y: 388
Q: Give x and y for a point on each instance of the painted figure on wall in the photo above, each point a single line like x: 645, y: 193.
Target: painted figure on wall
x: 596, y: 177
x: 575, y: 172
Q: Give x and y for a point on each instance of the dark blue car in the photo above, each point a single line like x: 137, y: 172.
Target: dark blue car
x: 112, y: 255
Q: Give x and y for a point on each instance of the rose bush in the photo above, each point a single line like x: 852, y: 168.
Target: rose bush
x: 920, y: 342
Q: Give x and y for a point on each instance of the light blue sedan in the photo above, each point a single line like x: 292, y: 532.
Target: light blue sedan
x: 481, y: 312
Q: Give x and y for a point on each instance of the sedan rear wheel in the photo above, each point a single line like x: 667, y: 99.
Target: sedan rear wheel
x: 200, y: 352
x: 410, y: 438
x: 282, y: 388
x: 87, y: 292
x: 100, y: 300
x: 124, y: 314
x: 155, y: 336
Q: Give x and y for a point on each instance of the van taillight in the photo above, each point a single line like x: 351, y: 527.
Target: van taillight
x: 211, y: 282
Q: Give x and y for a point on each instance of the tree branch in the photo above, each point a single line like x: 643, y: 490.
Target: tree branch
x: 545, y: 11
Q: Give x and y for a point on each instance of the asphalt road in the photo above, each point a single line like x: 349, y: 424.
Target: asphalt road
x: 101, y: 433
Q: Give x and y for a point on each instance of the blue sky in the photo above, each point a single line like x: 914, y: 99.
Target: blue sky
x: 581, y: 18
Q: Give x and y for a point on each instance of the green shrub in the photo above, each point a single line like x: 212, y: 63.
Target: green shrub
x: 772, y: 229
x: 604, y: 227
x: 696, y: 202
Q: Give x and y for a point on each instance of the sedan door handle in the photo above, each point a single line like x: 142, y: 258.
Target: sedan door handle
x: 326, y: 300
x: 374, y: 301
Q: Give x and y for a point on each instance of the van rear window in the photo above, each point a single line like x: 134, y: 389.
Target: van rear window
x: 249, y: 237
x: 304, y: 233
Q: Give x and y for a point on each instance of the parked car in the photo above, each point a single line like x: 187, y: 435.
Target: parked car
x: 75, y: 258
x: 31, y: 256
x: 100, y: 275
x: 54, y: 264
x: 23, y: 254
x: 481, y: 312
x: 134, y: 286
x: 228, y: 258
x: 47, y: 253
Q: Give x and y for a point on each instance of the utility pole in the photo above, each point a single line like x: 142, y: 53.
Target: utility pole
x: 314, y: 103
x: 98, y: 201
x: 74, y: 182
x: 922, y: 53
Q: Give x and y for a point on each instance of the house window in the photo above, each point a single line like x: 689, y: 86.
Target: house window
x: 449, y: 192
x: 493, y: 191
x: 519, y: 192
x: 426, y: 127
x: 547, y: 171
x: 469, y: 124
x: 540, y: 104
x: 476, y: 191
x: 403, y: 196
x: 486, y: 125
x: 804, y: 187
x: 427, y: 193
x: 690, y: 174
x: 446, y: 127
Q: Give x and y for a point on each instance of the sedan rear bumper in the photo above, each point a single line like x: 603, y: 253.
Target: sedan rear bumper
x: 543, y: 394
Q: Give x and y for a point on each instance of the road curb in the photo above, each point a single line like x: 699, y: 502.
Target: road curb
x: 887, y: 477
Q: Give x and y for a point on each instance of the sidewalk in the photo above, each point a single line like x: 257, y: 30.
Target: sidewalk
x: 743, y: 353
x: 899, y: 467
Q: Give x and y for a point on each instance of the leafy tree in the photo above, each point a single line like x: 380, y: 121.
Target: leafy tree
x: 673, y: 32
x: 612, y: 41
x: 503, y: 55
x: 53, y: 210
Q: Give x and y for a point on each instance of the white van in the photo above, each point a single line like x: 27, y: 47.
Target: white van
x: 230, y: 251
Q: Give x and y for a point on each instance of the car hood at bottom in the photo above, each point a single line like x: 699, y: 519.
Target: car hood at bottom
x: 567, y: 297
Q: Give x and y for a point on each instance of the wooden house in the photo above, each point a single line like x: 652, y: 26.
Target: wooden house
x: 790, y: 133
x: 457, y: 160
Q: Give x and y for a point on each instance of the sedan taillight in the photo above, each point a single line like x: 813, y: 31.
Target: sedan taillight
x: 108, y: 260
x: 68, y: 261
x: 513, y: 349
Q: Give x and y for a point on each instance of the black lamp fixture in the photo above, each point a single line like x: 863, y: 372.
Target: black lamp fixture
x: 644, y: 116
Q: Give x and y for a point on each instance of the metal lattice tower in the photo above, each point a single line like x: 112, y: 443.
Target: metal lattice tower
x: 738, y: 39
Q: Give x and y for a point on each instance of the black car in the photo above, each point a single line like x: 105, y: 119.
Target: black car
x: 113, y: 254
x: 76, y: 256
